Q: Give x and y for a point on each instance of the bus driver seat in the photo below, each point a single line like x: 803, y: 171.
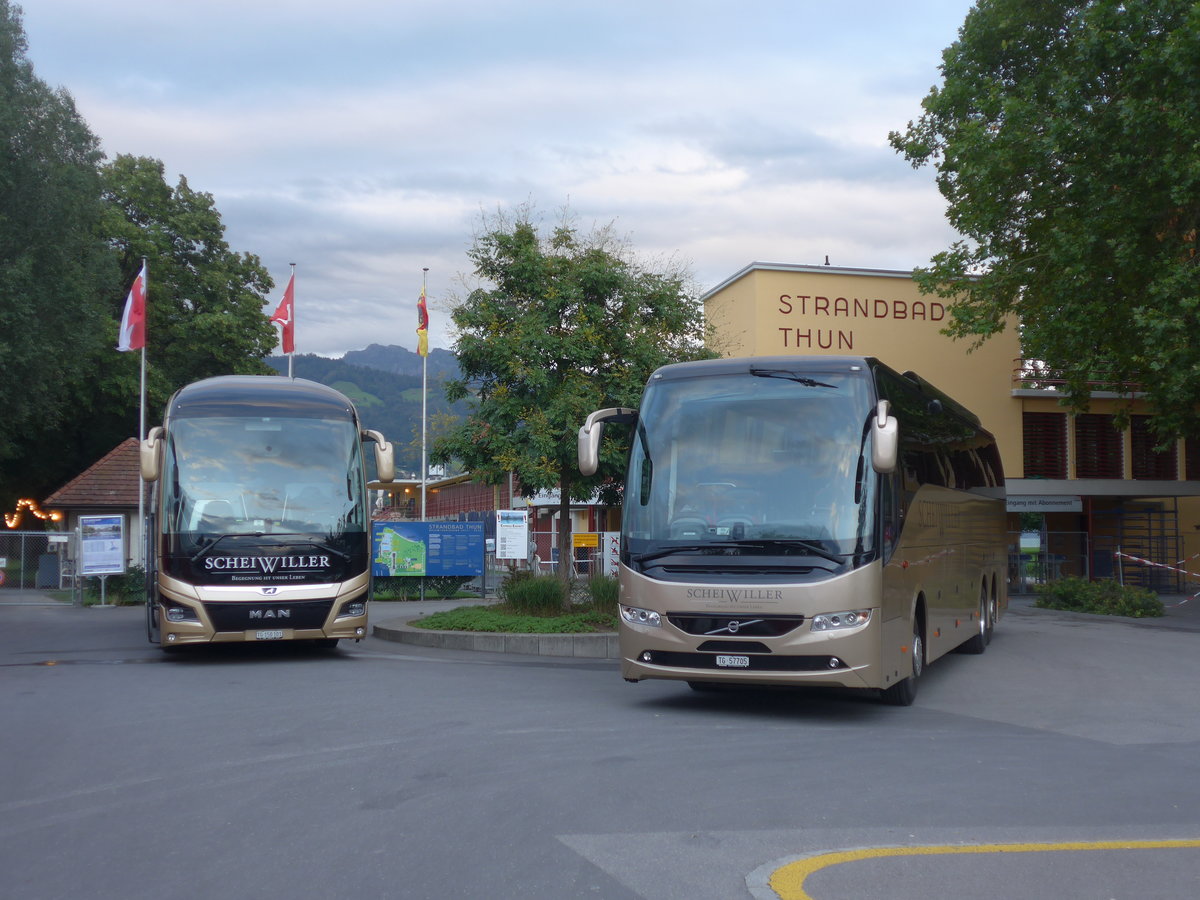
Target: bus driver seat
x: 217, y: 516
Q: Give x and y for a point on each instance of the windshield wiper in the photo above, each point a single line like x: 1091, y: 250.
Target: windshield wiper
x: 686, y: 548
x: 209, y: 546
x: 810, y: 546
x: 753, y: 543
x: 321, y: 546
x: 307, y: 539
x: 790, y: 376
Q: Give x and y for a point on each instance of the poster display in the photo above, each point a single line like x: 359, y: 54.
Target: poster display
x: 101, y: 545
x: 512, y: 534
x: 426, y: 548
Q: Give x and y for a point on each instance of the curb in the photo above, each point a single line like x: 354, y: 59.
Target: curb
x: 578, y: 646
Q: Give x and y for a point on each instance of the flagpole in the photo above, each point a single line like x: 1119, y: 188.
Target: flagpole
x: 142, y: 421
x: 291, y: 371
x: 424, y: 384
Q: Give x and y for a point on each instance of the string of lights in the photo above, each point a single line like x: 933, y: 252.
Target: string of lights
x: 13, y: 519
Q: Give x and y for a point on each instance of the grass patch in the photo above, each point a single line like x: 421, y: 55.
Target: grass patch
x: 504, y: 618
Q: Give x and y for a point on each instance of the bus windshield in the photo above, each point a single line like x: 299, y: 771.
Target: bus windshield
x: 768, y: 461
x: 268, y: 475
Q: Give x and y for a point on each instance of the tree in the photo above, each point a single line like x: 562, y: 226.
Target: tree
x: 1065, y: 140
x: 204, y: 307
x: 55, y: 272
x: 565, y: 324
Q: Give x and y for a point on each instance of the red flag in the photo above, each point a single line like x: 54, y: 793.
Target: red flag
x: 285, y: 315
x: 422, y: 326
x: 132, y: 335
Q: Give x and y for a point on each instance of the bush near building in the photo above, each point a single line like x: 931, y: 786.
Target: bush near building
x: 1104, y: 597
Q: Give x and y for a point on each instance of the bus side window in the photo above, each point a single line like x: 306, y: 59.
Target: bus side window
x: 890, y: 514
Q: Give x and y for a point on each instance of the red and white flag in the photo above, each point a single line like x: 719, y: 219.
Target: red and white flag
x: 285, y: 315
x: 132, y: 335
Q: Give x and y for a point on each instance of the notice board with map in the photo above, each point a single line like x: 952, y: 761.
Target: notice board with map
x: 427, y: 548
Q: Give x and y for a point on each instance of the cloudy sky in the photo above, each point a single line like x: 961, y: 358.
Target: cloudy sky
x: 364, y: 139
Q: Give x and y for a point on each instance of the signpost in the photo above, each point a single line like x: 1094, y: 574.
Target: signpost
x: 101, y: 548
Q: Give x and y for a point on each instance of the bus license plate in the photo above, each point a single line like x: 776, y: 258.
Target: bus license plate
x: 733, y: 662
x: 268, y: 635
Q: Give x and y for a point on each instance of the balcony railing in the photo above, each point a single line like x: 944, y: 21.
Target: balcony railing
x: 1035, y: 375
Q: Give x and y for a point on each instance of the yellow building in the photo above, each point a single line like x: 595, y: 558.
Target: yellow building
x: 1111, y: 504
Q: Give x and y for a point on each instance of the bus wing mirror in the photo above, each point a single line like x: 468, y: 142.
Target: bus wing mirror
x: 149, y: 454
x: 385, y: 456
x: 593, y: 430
x: 885, y: 449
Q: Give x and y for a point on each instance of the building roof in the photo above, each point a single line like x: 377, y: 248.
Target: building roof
x: 110, y: 481
x: 811, y: 270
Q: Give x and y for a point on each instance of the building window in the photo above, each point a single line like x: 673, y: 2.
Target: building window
x: 1147, y: 462
x: 1044, y: 436
x: 1191, y: 458
x: 1097, y: 447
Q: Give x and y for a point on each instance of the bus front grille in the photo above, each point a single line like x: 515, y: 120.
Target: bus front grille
x: 242, y: 616
x: 708, y: 625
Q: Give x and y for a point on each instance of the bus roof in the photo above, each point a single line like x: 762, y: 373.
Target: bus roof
x: 260, y: 395
x: 812, y: 365
x: 743, y: 364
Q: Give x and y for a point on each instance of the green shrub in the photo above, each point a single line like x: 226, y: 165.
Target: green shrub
x: 604, y: 590
x: 127, y: 588
x: 533, y: 595
x: 1104, y: 597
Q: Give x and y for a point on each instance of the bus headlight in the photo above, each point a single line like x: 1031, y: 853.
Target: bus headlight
x: 353, y: 608
x: 851, y: 618
x: 179, y: 613
x: 636, y: 616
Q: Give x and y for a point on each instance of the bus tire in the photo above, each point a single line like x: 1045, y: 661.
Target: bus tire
x: 983, y: 635
x: 904, y: 692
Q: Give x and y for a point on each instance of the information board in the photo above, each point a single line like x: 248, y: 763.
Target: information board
x: 426, y: 548
x: 101, y: 545
x: 512, y: 534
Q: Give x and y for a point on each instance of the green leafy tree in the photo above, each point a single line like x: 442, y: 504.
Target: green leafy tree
x: 1065, y: 140
x: 563, y: 325
x: 55, y: 273
x: 204, y: 306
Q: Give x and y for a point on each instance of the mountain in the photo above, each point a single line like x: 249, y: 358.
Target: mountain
x: 442, y: 363
x: 387, y: 395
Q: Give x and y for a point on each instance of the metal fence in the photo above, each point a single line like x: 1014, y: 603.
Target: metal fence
x: 585, y: 560
x: 1042, y: 557
x: 36, y: 560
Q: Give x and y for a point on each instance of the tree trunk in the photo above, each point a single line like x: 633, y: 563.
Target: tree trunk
x: 566, y: 553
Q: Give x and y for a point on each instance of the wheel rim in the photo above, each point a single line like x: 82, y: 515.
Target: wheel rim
x: 918, y: 655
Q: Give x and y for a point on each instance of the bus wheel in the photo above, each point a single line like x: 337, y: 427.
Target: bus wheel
x: 979, y: 641
x: 904, y: 692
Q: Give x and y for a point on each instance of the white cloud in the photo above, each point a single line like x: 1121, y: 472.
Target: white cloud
x: 363, y: 141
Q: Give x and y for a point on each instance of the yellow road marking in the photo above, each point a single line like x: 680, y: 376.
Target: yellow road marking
x: 788, y: 881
